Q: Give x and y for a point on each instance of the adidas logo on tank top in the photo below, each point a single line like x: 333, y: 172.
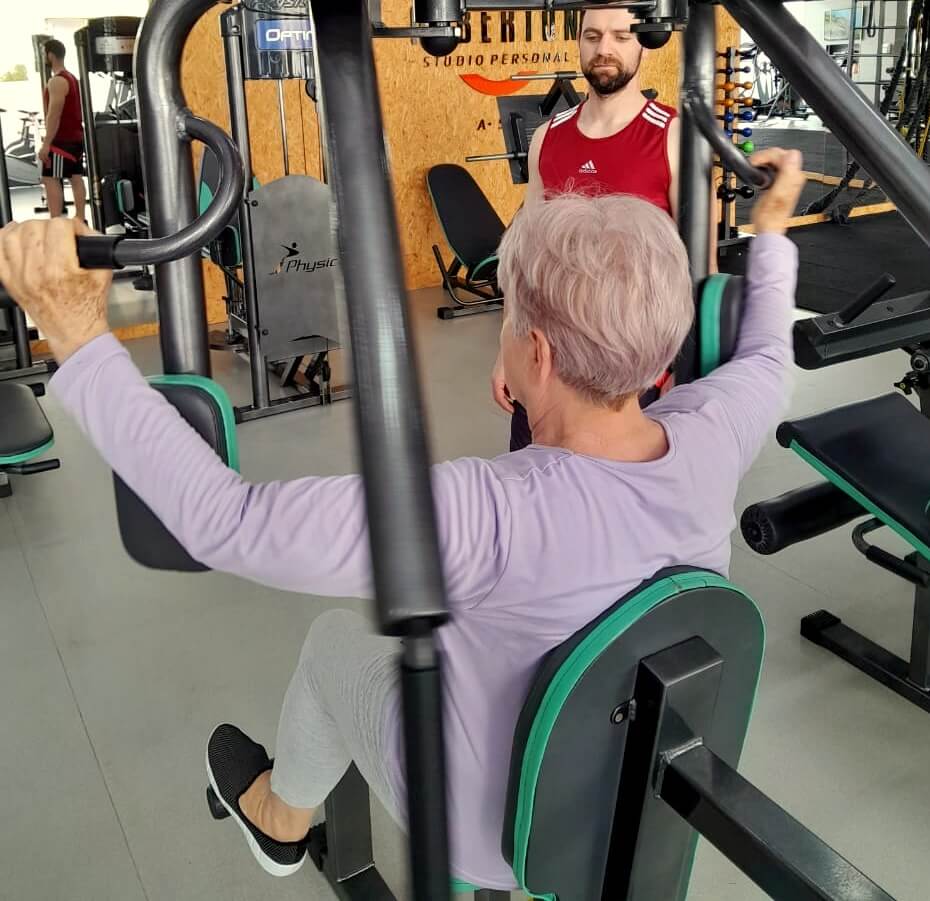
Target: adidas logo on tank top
x: 588, y: 168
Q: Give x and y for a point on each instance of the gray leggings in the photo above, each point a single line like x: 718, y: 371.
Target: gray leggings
x: 333, y: 712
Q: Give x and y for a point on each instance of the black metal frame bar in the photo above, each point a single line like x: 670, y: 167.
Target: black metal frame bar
x: 676, y: 694
x: 908, y: 678
x: 231, y: 26
x: 91, y: 153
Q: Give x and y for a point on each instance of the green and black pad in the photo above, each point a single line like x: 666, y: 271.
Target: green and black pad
x: 25, y: 432
x: 568, y: 749
x: 226, y: 250
x: 718, y: 315
x: 874, y: 451
x: 206, y: 407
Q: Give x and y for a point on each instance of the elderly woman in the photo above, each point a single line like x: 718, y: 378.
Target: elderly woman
x: 535, y: 544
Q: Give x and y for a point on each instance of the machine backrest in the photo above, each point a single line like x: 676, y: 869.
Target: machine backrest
x: 570, y: 740
x: 471, y: 226
x: 205, y: 407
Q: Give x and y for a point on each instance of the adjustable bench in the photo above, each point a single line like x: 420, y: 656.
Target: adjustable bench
x: 872, y: 456
x: 25, y: 434
x: 473, y: 231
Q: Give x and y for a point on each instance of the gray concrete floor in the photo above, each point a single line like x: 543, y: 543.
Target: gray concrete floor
x: 113, y: 676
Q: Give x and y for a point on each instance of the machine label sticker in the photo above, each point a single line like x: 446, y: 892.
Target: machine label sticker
x: 292, y: 262
x: 114, y: 46
x: 284, y: 34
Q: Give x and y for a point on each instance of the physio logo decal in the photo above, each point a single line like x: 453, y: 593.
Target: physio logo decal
x: 284, y: 34
x: 292, y: 262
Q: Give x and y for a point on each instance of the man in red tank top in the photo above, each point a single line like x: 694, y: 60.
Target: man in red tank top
x: 62, y: 153
x: 615, y: 142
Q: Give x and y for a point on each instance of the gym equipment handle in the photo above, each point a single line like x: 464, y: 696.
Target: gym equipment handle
x: 885, y: 559
x: 730, y: 155
x: 875, y: 292
x: 116, y: 252
x: 771, y: 526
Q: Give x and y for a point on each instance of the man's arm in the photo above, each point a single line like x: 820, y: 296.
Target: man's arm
x: 535, y: 193
x: 57, y: 93
x: 674, y: 163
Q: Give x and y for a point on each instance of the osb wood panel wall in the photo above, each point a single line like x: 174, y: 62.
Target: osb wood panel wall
x: 431, y: 114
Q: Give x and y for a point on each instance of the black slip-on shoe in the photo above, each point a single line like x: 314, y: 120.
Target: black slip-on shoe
x: 234, y: 762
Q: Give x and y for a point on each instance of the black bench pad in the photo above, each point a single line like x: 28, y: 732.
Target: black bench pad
x: 876, y: 451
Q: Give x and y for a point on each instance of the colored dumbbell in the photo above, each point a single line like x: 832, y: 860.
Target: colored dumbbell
x: 728, y: 116
x: 745, y: 132
x: 748, y: 115
x: 732, y: 86
x: 730, y: 70
x: 747, y: 147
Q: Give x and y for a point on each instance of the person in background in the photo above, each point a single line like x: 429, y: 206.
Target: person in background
x: 62, y: 153
x: 615, y: 142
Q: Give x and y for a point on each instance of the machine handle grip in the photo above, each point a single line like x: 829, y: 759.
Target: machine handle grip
x: 116, y: 252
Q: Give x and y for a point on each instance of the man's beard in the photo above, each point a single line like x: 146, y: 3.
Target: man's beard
x: 605, y: 84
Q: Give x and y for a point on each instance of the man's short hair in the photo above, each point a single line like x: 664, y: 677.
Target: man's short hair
x: 56, y: 48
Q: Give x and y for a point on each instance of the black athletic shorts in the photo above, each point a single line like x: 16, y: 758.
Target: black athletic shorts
x: 67, y: 159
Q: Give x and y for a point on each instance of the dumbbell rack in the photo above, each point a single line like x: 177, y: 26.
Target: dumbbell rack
x: 738, y: 111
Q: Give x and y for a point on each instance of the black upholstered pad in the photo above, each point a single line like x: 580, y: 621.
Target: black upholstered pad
x: 24, y: 430
x: 876, y: 451
x: 471, y: 226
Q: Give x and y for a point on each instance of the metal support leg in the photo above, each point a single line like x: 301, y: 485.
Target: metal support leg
x: 341, y: 848
x: 919, y: 668
x: 6, y: 489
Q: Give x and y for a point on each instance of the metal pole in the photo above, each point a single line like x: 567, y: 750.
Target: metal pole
x: 169, y: 179
x: 700, y: 65
x: 90, y: 134
x: 239, y: 119
x: 282, y: 112
x: 401, y: 517
x: 779, y: 854
x: 843, y: 107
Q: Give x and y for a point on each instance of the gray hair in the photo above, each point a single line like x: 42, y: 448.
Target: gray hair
x: 606, y: 280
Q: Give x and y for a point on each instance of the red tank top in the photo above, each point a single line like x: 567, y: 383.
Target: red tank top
x: 70, y: 130
x: 632, y: 161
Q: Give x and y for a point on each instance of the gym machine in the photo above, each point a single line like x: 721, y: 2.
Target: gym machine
x: 25, y: 432
x: 283, y: 291
x: 522, y: 115
x: 111, y: 137
x: 15, y: 335
x: 674, y: 724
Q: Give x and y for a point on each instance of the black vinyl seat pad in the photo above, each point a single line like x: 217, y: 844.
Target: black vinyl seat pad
x: 24, y: 429
x: 469, y: 223
x: 876, y: 451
